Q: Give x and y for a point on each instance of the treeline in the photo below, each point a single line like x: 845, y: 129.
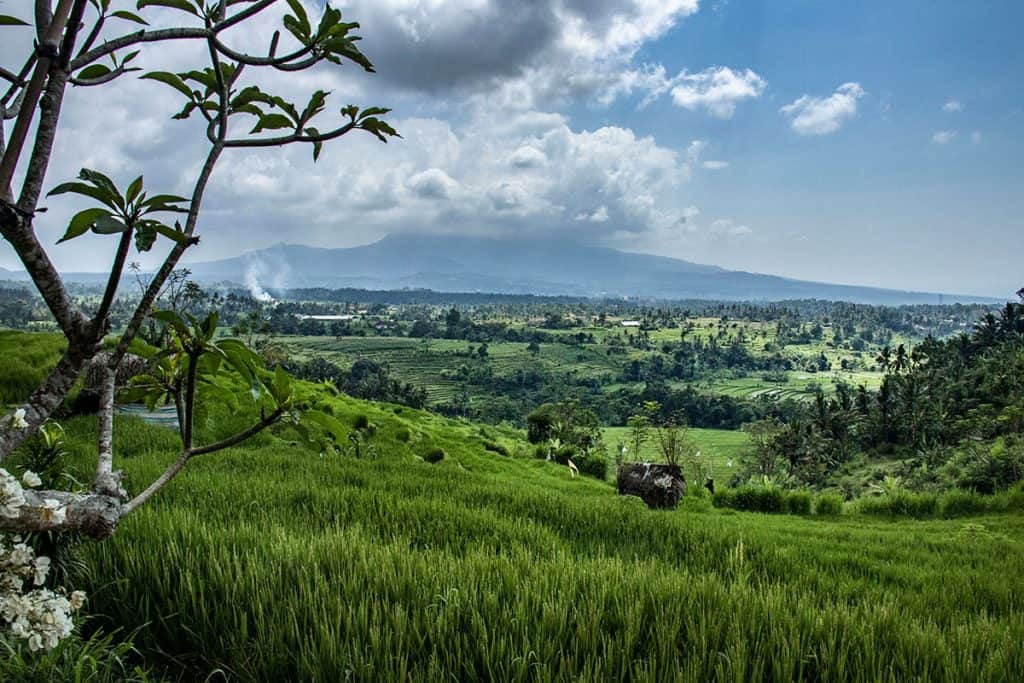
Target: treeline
x: 954, y: 409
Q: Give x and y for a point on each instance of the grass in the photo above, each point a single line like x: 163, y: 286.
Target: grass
x: 272, y: 562
x: 28, y: 357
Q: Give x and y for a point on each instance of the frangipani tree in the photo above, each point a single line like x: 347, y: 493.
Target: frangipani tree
x: 77, y: 43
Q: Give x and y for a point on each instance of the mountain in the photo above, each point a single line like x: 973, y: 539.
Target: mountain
x: 448, y: 263
x: 520, y: 266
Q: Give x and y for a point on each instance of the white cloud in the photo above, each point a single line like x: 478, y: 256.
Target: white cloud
x: 953, y: 106
x: 944, y: 136
x: 717, y: 89
x: 822, y: 115
x: 433, y: 183
x: 712, y: 165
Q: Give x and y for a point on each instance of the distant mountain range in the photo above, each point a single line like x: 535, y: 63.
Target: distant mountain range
x: 448, y: 263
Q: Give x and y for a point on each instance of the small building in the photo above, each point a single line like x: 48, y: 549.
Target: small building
x: 630, y: 323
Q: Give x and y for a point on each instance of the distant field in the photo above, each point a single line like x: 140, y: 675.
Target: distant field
x: 719, y: 446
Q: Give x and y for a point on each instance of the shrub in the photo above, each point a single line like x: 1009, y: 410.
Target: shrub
x: 495, y: 448
x: 434, y: 455
x: 797, y: 502
x: 828, y: 504
x: 750, y: 498
x: 899, y: 504
x: 563, y: 454
x: 361, y: 421
x: 403, y: 435
x: 592, y: 465
x: 540, y: 452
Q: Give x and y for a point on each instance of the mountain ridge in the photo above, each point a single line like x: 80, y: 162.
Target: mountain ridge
x: 450, y: 263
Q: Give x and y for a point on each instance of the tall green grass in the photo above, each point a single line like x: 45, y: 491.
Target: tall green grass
x: 273, y: 563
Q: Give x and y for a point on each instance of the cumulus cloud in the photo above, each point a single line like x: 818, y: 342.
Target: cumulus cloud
x: 953, y: 106
x: 811, y: 115
x: 944, y: 136
x: 488, y: 152
x: 717, y: 89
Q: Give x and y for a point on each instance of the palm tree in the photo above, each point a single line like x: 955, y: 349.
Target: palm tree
x: 884, y: 359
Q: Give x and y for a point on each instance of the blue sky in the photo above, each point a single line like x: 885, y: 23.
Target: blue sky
x: 868, y: 142
x: 879, y: 200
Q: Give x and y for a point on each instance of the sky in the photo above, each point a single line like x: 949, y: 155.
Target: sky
x: 872, y: 143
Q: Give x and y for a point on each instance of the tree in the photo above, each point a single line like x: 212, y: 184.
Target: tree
x: 74, y: 39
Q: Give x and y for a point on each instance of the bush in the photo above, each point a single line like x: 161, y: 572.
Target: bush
x: 361, y: 421
x: 592, y: 465
x: 403, y: 435
x: 750, y: 498
x: 797, y: 502
x: 540, y: 452
x: 495, y: 448
x: 434, y: 455
x: 902, y: 503
x: 828, y: 504
x: 564, y: 454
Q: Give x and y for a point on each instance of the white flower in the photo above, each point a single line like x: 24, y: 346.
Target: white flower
x: 77, y: 600
x: 53, y: 512
x: 18, y: 419
x: 42, y: 569
x: 31, y: 479
x: 12, y: 496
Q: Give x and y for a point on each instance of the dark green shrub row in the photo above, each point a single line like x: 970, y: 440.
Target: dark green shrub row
x: 495, y: 448
x: 945, y: 505
x: 778, y: 501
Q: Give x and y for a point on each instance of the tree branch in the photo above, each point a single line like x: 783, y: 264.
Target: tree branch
x: 141, y: 36
x: 16, y: 229
x: 114, y: 280
x: 289, y: 139
x: 94, y: 515
x: 265, y: 421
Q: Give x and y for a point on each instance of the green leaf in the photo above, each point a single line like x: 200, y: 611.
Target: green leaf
x: 145, y: 236
x: 315, y: 106
x: 129, y: 16
x: 108, y: 225
x: 84, y: 190
x: 11, y: 21
x: 173, y: 320
x: 93, y: 72
x: 133, y: 190
x: 272, y: 122
x: 318, y: 145
x: 182, y: 5
x: 300, y: 14
x: 129, y: 57
x: 171, y: 233
x: 81, y: 222
x: 173, y: 80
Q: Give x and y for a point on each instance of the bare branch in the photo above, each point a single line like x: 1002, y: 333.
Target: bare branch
x: 114, y: 280
x: 100, y: 80
x: 94, y: 515
x: 269, y: 60
x: 16, y: 229
x: 238, y: 438
x: 243, y: 15
x: 141, y: 36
